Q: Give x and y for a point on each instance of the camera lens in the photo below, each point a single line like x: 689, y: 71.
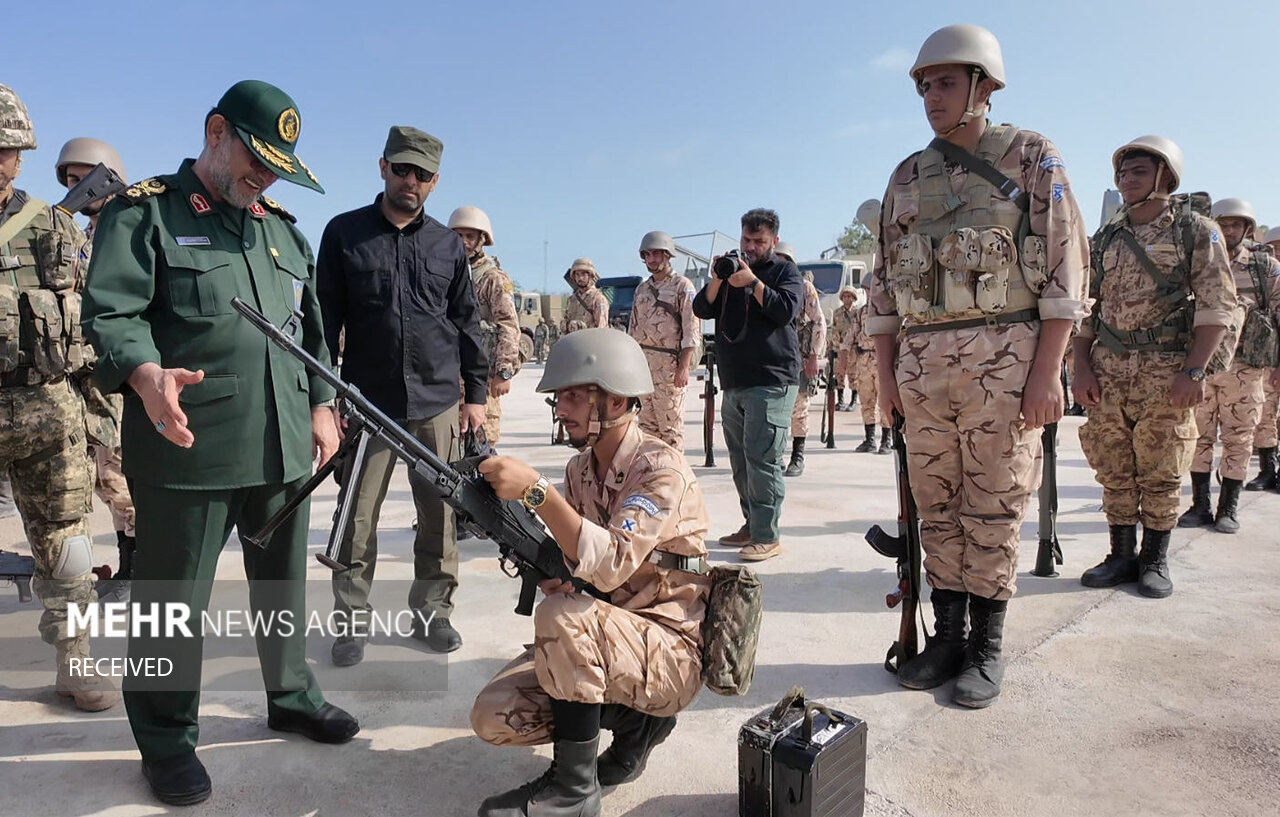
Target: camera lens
x: 726, y: 266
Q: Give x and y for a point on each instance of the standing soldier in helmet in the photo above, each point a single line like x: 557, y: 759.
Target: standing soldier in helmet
x: 1233, y: 398
x: 631, y: 523
x: 586, y: 308
x: 1266, y: 435
x: 541, y: 335
x: 862, y: 349
x: 980, y: 274
x: 811, y: 329
x: 663, y: 323
x: 498, y: 320
x: 1141, y: 358
x: 78, y: 158
x: 42, y: 445
x: 838, y: 341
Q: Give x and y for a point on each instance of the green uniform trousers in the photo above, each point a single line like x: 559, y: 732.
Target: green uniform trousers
x: 180, y: 534
x: 435, y: 547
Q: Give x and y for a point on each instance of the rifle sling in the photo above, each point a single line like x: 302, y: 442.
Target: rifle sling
x: 1007, y: 186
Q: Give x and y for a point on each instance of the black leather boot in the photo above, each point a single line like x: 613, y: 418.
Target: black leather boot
x: 886, y: 442
x: 1266, y: 479
x: 1200, y: 513
x: 869, y: 444
x: 796, y: 467
x: 943, y: 654
x: 1121, y: 564
x: 1228, y: 499
x: 1153, y: 565
x: 978, y: 684
x: 635, y: 735
x: 568, y: 789
x: 116, y: 588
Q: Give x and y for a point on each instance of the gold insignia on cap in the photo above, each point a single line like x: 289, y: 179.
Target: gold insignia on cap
x: 273, y: 155
x: 307, y: 170
x: 288, y: 125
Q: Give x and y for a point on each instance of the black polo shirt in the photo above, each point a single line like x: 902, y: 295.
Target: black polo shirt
x: 406, y: 303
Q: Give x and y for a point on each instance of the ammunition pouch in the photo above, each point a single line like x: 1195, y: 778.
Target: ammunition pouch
x: 910, y: 275
x: 1259, y: 343
x: 55, y: 260
x: 9, y: 332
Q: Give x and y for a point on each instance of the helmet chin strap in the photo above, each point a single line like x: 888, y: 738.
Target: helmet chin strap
x: 1156, y: 194
x: 596, y: 421
x: 970, y: 111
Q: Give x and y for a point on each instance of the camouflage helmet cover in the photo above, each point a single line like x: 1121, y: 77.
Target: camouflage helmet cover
x: 16, y: 130
x: 607, y: 358
x: 86, y: 151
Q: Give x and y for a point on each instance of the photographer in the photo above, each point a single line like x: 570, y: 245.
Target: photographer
x: 754, y: 306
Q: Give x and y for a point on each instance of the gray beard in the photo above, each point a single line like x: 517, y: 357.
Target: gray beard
x: 223, y: 183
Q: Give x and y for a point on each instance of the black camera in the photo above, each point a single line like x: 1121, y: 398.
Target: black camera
x: 726, y: 265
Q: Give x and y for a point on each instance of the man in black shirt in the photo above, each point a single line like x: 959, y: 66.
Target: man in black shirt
x: 394, y: 283
x: 758, y: 353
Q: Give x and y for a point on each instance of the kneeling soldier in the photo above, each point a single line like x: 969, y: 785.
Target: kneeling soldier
x: 631, y: 522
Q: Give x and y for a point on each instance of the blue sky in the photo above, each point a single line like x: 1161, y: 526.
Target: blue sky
x: 584, y: 125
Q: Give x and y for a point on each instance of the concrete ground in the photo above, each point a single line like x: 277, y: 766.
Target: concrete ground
x: 1112, y: 703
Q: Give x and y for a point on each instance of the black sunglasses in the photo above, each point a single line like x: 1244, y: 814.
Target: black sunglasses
x: 402, y: 170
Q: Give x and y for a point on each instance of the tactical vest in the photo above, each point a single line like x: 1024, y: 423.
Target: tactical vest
x: 1259, y: 341
x: 961, y: 264
x: 488, y: 328
x: 41, y: 275
x: 672, y: 310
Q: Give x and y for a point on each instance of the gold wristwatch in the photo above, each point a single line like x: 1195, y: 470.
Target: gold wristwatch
x: 536, y: 494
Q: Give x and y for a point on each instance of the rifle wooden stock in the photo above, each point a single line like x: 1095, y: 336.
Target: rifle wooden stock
x: 709, y: 403
x: 829, y: 405
x: 906, y: 551
x: 1049, y: 552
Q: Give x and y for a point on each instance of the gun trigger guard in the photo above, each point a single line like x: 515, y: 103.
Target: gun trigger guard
x: 508, y: 567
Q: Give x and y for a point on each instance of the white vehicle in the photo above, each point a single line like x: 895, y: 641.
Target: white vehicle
x: 833, y: 274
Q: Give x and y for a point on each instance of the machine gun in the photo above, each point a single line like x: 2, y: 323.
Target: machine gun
x: 526, y: 550
x: 18, y: 569
x: 101, y: 182
x: 709, y: 392
x: 1050, y: 551
x: 905, y: 549
x: 828, y: 433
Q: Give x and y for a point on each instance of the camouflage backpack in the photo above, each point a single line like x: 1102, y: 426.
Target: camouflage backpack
x: 1259, y: 342
x: 731, y: 630
x: 1174, y: 334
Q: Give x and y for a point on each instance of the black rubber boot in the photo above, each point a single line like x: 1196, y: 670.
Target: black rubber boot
x: 840, y: 404
x: 978, y: 684
x: 886, y: 442
x: 1266, y: 479
x: 869, y: 444
x: 635, y: 735
x: 1121, y: 564
x: 1200, y: 513
x: 568, y: 789
x: 944, y: 652
x: 1228, y: 499
x: 796, y: 467
x: 1153, y: 565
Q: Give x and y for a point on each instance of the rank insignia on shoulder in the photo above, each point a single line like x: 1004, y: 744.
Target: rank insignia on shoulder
x: 258, y: 210
x: 145, y: 189
x: 274, y: 206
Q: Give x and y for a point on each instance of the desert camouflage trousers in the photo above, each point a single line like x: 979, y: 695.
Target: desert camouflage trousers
x: 662, y: 413
x: 1137, y: 443
x: 846, y: 359
x: 1230, y: 411
x: 1266, y: 434
x: 800, y: 409
x: 46, y: 456
x: 972, y: 462
x: 112, y: 488
x: 591, y: 652
x: 865, y: 377
x: 492, y: 419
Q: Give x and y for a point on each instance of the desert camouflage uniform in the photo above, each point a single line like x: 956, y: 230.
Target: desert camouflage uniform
x: 1233, y: 399
x: 541, y: 338
x: 662, y: 322
x: 812, y: 323
x: 585, y: 308
x: 846, y: 356
x: 643, y: 650
x: 1137, y: 443
x: 973, y: 464
x: 43, y: 445
x: 863, y: 350
x: 501, y: 328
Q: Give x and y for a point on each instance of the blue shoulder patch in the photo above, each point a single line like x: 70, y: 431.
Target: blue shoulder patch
x: 1050, y: 162
x: 644, y: 503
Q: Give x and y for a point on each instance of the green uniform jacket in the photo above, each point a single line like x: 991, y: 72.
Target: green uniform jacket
x: 166, y: 262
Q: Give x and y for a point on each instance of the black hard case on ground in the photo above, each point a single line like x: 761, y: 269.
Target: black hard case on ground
x: 801, y: 759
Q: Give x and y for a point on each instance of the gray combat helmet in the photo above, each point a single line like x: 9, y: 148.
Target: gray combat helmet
x: 16, y: 130
x: 86, y: 151
x: 658, y: 240
x: 607, y: 358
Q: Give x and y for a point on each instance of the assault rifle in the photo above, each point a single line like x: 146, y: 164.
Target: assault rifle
x: 905, y: 549
x: 101, y: 182
x: 19, y: 569
x: 526, y: 551
x: 709, y: 392
x: 1050, y: 551
x: 828, y: 433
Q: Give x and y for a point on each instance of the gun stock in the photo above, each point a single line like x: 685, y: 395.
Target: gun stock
x: 829, y: 407
x: 1049, y: 552
x: 101, y: 182
x: 905, y: 549
x: 525, y: 549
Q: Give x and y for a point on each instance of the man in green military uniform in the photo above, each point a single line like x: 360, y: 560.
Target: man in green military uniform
x: 42, y: 443
x: 219, y: 428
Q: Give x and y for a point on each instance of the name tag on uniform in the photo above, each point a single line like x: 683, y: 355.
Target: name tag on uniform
x: 192, y: 240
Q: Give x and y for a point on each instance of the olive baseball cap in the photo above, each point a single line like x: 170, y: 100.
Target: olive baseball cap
x: 268, y: 123
x: 410, y: 146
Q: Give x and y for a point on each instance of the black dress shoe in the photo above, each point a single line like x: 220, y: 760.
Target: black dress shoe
x: 440, y: 635
x: 328, y: 724
x: 179, y: 780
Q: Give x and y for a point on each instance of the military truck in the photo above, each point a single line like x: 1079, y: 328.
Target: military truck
x: 530, y: 306
x: 830, y: 275
x: 620, y: 292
